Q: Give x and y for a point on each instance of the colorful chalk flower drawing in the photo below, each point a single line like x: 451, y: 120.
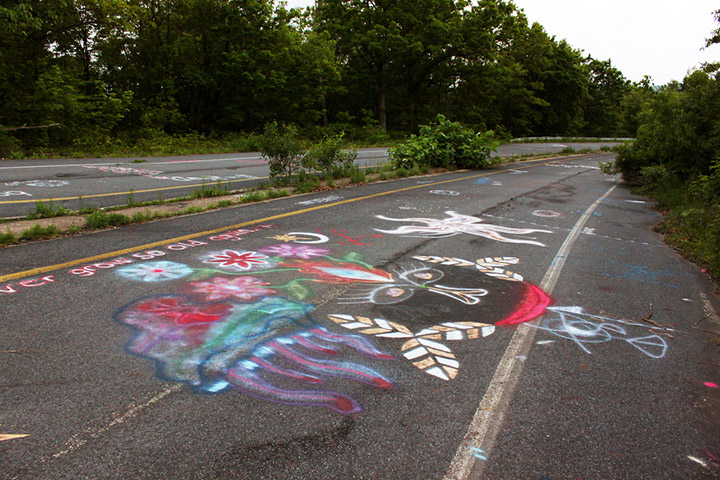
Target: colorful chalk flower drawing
x: 456, y: 224
x: 237, y: 260
x: 237, y: 327
x: 155, y: 271
x: 290, y: 250
x: 220, y: 288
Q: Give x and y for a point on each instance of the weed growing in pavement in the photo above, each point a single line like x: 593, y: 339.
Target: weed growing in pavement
x: 251, y: 197
x: 357, y: 175
x: 208, y: 192
x: 7, y: 238
x: 37, y: 232
x: 47, y: 210
x: 100, y: 219
x: 401, y: 173
x: 276, y: 194
x: 140, y: 217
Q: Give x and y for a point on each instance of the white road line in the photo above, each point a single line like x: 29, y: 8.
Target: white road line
x: 489, y: 416
x: 80, y: 439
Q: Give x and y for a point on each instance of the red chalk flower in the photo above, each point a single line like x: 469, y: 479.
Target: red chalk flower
x: 182, y: 312
x: 240, y: 260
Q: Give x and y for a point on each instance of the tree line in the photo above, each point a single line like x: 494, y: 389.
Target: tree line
x: 87, y: 72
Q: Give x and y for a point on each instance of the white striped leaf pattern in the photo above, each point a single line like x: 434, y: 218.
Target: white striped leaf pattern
x: 424, y: 348
x: 491, y: 266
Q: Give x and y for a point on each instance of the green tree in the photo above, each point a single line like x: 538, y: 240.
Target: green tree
x: 607, y: 89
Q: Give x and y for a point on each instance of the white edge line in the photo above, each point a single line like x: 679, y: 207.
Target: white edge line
x: 485, y: 424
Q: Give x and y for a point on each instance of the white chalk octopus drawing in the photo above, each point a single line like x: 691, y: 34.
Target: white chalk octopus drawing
x: 457, y: 223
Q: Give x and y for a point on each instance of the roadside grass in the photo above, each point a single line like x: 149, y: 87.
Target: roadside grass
x: 96, y: 218
x: 47, y: 210
x: 38, y: 232
x: 689, y: 225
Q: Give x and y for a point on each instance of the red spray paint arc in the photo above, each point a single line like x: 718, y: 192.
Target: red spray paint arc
x: 534, y: 303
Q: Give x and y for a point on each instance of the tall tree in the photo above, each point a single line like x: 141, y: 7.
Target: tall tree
x: 607, y: 88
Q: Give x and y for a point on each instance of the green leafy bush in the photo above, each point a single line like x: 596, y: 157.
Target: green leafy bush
x: 327, y: 155
x: 283, y: 149
x: 445, y: 144
x: 707, y: 187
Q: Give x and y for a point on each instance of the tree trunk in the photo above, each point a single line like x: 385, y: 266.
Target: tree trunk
x: 324, y: 104
x: 382, y: 114
x: 411, y: 113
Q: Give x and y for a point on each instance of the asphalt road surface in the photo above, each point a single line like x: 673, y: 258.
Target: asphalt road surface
x: 106, y: 182
x: 519, y: 323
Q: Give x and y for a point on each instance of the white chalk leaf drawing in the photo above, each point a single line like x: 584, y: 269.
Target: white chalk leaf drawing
x: 425, y: 349
x: 491, y: 266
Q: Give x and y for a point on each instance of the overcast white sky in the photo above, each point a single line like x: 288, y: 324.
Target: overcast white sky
x: 659, y: 38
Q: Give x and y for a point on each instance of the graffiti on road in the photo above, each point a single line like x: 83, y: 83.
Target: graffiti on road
x: 585, y: 329
x: 456, y: 224
x: 423, y: 348
x: 158, y: 175
x: 241, y: 319
x: 15, y: 193
x: 39, y: 183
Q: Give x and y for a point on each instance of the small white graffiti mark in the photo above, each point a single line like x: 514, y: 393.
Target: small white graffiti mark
x: 546, y: 213
x: 517, y: 172
x: 478, y: 453
x: 635, y: 201
x: 585, y: 329
x: 14, y: 193
x: 698, y: 460
x: 314, y: 201
x: 40, y: 183
x: 449, y: 193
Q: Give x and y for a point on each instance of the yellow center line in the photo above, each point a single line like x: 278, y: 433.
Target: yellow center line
x: 76, y: 197
x: 148, y: 246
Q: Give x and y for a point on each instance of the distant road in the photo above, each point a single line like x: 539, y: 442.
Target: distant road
x: 105, y: 182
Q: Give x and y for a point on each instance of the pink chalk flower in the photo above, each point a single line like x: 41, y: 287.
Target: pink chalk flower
x: 244, y: 288
x: 299, y: 251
